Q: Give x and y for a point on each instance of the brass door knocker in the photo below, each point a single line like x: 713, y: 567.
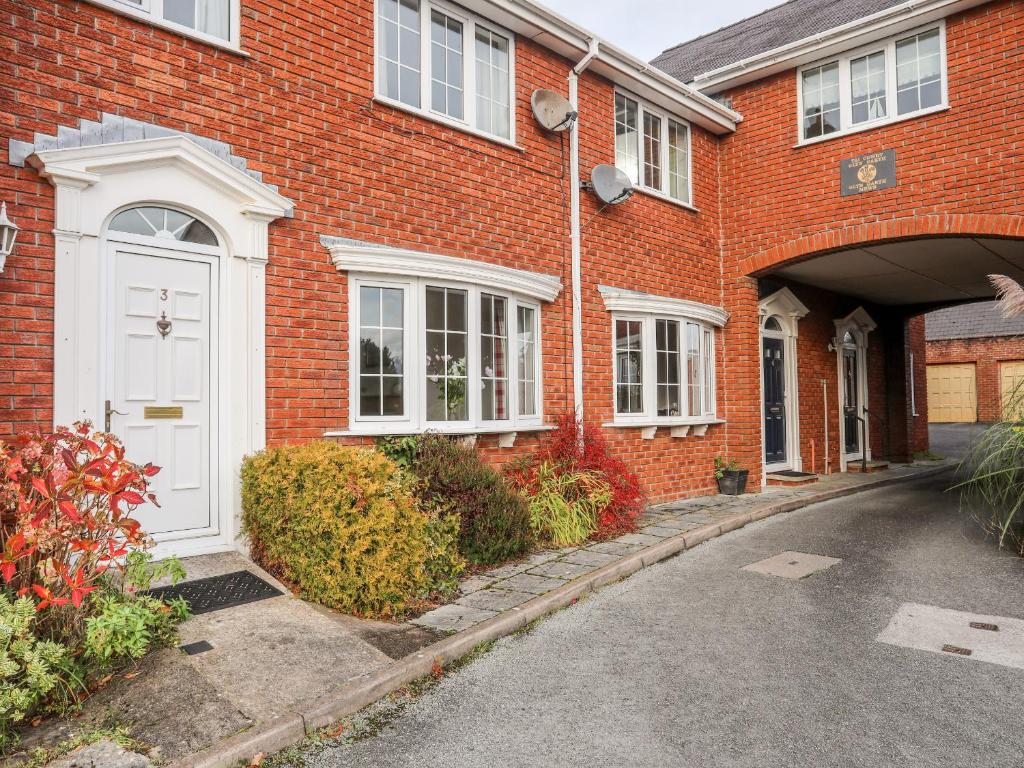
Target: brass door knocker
x: 163, y: 325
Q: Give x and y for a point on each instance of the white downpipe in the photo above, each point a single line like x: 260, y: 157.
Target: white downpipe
x: 574, y: 233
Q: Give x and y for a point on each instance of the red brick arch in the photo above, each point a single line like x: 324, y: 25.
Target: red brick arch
x: 932, y: 225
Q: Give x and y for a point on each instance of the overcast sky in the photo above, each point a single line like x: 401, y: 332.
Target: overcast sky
x: 647, y: 27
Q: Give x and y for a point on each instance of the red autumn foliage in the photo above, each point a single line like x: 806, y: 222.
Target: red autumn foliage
x: 576, y: 447
x: 66, y: 504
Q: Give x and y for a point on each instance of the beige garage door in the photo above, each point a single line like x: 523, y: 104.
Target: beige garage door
x: 952, y: 393
x: 1011, y: 388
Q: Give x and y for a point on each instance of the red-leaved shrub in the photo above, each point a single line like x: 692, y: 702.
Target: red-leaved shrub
x: 66, y: 503
x: 577, y: 447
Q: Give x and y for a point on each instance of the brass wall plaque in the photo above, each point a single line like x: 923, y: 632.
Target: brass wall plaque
x: 163, y: 412
x: 868, y: 173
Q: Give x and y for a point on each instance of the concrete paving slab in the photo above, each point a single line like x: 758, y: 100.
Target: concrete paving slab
x: 678, y: 524
x: 473, y: 583
x: 929, y: 628
x: 792, y: 565
x: 102, y: 754
x: 637, y: 538
x: 495, y: 599
x: 614, y: 548
x: 660, y: 530
x: 526, y: 582
x: 561, y: 569
x: 453, y: 617
x: 588, y: 557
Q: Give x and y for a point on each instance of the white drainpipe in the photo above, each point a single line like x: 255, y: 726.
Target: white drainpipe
x: 574, y: 232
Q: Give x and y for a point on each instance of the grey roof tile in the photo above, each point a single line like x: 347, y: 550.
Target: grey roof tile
x: 971, y: 321
x: 783, y: 24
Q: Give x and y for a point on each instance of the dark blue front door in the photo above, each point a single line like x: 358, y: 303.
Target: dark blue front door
x: 774, y: 367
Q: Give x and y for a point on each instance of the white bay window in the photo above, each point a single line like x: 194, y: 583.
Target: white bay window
x: 663, y: 359
x: 441, y: 343
x: 880, y: 83
x: 446, y: 63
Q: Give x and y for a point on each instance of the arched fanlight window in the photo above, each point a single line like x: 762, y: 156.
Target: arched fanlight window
x: 848, y: 338
x: 164, y: 224
x: 772, y: 324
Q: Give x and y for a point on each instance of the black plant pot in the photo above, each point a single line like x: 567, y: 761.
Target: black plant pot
x: 733, y: 482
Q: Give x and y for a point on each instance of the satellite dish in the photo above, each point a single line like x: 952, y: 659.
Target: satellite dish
x: 611, y: 185
x: 553, y: 111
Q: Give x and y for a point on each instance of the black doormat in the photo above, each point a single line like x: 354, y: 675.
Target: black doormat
x: 217, y: 592
x: 792, y: 473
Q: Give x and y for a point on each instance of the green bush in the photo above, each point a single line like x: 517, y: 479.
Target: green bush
x: 338, y: 523
x: 124, y: 628
x: 30, y: 668
x: 494, y: 519
x: 564, y: 505
x: 444, y: 563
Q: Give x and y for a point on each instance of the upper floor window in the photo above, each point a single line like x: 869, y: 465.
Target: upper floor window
x: 652, y: 149
x: 215, y: 20
x: 446, y: 63
x: 880, y: 83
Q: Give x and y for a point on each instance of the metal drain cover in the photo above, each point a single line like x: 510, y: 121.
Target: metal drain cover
x: 792, y: 565
x: 995, y: 639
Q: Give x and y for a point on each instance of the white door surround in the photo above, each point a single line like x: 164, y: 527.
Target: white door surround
x: 788, y: 310
x: 852, y: 333
x: 94, y: 183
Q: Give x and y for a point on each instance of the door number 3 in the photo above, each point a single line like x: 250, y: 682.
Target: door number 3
x: 163, y: 294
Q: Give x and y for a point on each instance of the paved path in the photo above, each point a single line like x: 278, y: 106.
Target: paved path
x: 695, y: 662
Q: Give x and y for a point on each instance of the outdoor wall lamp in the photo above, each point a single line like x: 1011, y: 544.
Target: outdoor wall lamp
x: 8, y: 234
x: 832, y: 344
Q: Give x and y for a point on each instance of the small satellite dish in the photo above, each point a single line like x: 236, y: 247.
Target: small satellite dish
x: 553, y: 111
x: 610, y: 184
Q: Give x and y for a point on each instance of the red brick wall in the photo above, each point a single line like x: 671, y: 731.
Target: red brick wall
x: 300, y: 109
x: 987, y: 354
x: 958, y: 172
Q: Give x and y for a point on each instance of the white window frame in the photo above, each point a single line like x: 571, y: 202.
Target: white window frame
x: 888, y: 45
x: 151, y: 11
x: 470, y: 22
x: 661, y: 192
x: 414, y: 372
x: 649, y: 375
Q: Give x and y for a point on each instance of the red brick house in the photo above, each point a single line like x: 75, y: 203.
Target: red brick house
x: 975, y: 360
x: 251, y: 222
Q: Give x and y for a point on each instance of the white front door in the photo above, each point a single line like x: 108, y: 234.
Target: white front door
x: 161, y: 383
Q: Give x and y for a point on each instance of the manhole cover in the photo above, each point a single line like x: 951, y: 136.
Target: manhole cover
x: 995, y: 639
x: 792, y: 565
x: 218, y: 592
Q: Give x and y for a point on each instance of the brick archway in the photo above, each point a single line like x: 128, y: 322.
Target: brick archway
x: 933, y: 225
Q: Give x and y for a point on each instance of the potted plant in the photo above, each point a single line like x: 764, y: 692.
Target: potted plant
x: 731, y: 479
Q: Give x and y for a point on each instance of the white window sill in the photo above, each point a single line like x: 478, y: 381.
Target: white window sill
x: 170, y: 26
x: 679, y: 427
x: 872, y: 125
x: 506, y: 434
x: 447, y: 122
x: 665, y: 198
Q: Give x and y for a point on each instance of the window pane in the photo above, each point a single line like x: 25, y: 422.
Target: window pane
x: 627, y: 150
x: 652, y: 151
x: 820, y: 94
x: 708, y: 363
x: 446, y: 65
x: 678, y: 161
x: 381, y: 351
x: 399, y: 60
x: 628, y: 366
x: 867, y: 87
x: 494, y: 357
x: 446, y: 356
x: 527, y: 351
x: 918, y: 72
x: 693, y: 371
x: 667, y: 342
x: 493, y: 99
x: 163, y: 223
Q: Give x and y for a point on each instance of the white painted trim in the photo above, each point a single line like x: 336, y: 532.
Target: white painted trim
x: 887, y: 46
x: 623, y: 300
x: 482, y: 430
x: 392, y: 262
x: 885, y: 23
x: 94, y: 183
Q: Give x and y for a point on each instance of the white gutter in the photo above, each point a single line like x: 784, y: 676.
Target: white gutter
x: 575, y: 237
x: 847, y: 36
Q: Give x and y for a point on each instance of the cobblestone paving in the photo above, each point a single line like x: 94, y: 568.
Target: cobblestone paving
x: 504, y: 588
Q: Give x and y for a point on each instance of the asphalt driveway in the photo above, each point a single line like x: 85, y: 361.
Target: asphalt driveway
x: 695, y: 662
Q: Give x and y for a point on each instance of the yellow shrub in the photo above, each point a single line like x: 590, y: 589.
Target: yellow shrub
x: 339, y: 524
